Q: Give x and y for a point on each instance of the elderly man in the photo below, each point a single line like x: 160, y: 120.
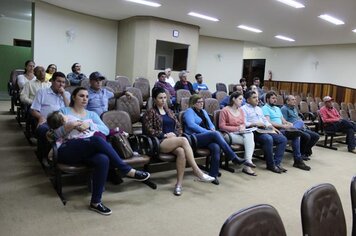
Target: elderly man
x: 274, y: 115
x: 333, y: 122
x: 308, y: 137
x: 254, y: 118
x: 30, y: 89
x: 183, y: 83
x: 169, y: 78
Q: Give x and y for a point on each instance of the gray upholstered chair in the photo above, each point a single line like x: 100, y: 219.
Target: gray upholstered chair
x: 353, y: 204
x: 255, y: 220
x: 322, y: 213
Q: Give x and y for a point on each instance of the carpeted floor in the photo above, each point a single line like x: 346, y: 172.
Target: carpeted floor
x: 30, y: 206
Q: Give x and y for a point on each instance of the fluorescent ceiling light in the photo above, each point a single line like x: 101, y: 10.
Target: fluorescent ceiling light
x: 292, y: 3
x: 331, y: 19
x: 354, y: 30
x: 249, y: 28
x: 284, y: 38
x: 147, y: 3
x: 202, y: 16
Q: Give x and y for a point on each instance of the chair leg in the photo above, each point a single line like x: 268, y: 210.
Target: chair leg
x: 57, y: 184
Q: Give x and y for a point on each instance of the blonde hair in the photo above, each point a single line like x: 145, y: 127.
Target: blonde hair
x: 193, y: 99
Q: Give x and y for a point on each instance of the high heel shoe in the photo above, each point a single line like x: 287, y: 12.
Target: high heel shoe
x: 238, y: 161
x: 205, y: 178
x: 177, y: 190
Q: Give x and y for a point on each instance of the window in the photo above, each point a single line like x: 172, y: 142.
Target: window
x: 22, y: 43
x: 172, y: 55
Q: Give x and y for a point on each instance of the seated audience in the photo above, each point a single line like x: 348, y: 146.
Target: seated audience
x: 85, y: 147
x: 162, y: 83
x: 275, y: 117
x: 268, y: 136
x: 257, y: 83
x: 226, y: 100
x: 243, y: 84
x: 98, y: 101
x: 28, y: 75
x: 183, y: 83
x: 30, y: 89
x: 232, y: 120
x: 169, y: 78
x: 334, y: 123
x: 46, y: 101
x: 199, y: 85
x: 261, y: 98
x: 198, y: 123
x: 308, y: 137
x: 161, y: 122
x: 75, y: 77
x: 50, y: 70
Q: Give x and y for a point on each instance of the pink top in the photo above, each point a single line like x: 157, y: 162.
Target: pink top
x: 329, y: 115
x: 230, y: 123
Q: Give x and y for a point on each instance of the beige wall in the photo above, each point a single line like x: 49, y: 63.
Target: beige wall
x: 219, y: 60
x: 145, y: 31
x: 11, y: 29
x: 94, y: 44
x: 332, y: 64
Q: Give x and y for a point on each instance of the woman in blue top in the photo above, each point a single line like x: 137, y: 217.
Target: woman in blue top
x: 197, y: 122
x: 94, y: 151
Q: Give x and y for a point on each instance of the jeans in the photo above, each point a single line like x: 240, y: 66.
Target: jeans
x: 267, y: 141
x: 247, y: 140
x: 295, y: 145
x: 97, y: 153
x: 307, y: 140
x: 215, y: 142
x: 345, y: 127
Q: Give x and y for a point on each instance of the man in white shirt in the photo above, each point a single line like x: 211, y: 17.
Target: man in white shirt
x: 169, y: 78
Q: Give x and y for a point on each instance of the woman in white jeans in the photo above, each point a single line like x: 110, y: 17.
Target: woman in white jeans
x: 232, y: 120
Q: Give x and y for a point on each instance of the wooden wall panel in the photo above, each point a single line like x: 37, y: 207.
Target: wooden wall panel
x: 339, y: 93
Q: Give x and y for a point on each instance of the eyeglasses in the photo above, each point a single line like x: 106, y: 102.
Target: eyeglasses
x: 200, y: 101
x: 54, y: 68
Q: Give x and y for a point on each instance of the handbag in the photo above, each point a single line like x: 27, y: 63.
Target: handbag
x: 121, y: 144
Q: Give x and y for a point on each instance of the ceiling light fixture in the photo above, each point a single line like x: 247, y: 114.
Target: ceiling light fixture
x: 147, y: 3
x: 202, y: 16
x: 354, y: 30
x: 331, y: 19
x: 284, y: 38
x: 292, y: 3
x: 245, y: 27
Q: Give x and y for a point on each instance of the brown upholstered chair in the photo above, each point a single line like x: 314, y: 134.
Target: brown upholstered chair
x: 205, y: 94
x: 181, y: 93
x: 211, y: 105
x: 85, y: 83
x: 13, y: 89
x: 231, y: 88
x: 144, y: 87
x: 260, y: 219
x: 350, y: 106
x: 352, y: 115
x: 322, y: 213
x: 115, y: 86
x: 123, y: 81
x: 221, y: 87
x: 336, y: 105
x: 137, y: 93
x: 132, y: 106
x: 353, y: 204
x: 220, y: 95
x: 122, y: 119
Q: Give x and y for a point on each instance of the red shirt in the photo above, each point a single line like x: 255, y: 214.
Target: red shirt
x: 329, y: 115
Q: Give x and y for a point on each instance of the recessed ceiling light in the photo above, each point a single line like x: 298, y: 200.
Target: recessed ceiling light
x: 202, y: 16
x: 284, y: 38
x: 147, y: 3
x: 292, y: 3
x: 354, y: 30
x: 331, y: 19
x: 245, y: 27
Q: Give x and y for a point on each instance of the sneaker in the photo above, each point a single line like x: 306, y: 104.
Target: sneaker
x: 353, y: 151
x: 100, y: 208
x: 140, y: 175
x: 301, y: 165
x: 215, y: 181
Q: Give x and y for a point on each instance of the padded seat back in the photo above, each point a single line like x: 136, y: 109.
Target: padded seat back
x: 131, y: 106
x: 256, y: 220
x: 322, y: 213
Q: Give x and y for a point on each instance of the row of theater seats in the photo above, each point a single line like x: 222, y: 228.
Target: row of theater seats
x: 322, y: 214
